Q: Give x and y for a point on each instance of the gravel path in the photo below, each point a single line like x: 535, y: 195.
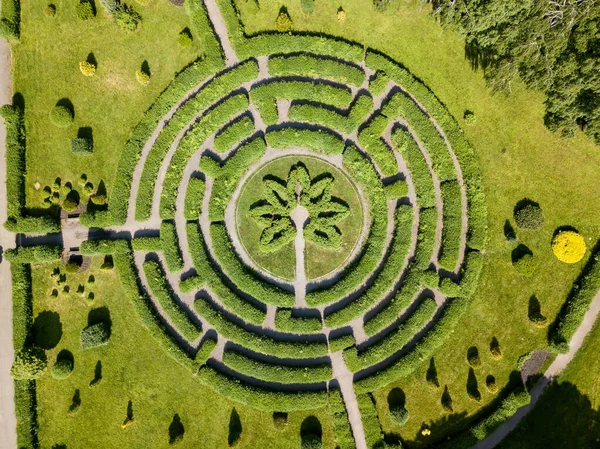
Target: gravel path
x: 8, y: 422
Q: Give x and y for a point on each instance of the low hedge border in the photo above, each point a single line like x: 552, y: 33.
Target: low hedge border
x: 123, y: 259
x: 241, y: 275
x: 341, y: 425
x: 316, y: 66
x: 576, y: 305
x: 169, y: 243
x: 393, y: 341
x: 341, y: 342
x: 319, y: 140
x: 424, y: 251
x: 207, y: 276
x: 452, y: 225
x: 146, y: 244
x: 228, y: 175
x: 370, y: 139
x: 256, y: 342
x: 260, y: 398
x: 198, y: 15
x: 285, y: 321
x: 277, y: 373
x: 161, y: 291
x: 219, y: 86
x: 331, y: 118
x: 208, y: 124
x: 235, y: 132
x: 362, y: 171
x: 33, y: 254
x: 370, y: 420
x: 386, y: 277
x: 264, y: 96
x: 194, y: 196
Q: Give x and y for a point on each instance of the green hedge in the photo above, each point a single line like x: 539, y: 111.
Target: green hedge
x: 242, y: 276
x: 202, y: 25
x: 428, y: 221
x: 260, y: 398
x: 10, y: 20
x: 370, y: 139
x: 393, y: 341
x: 146, y: 244
x: 577, y: 304
x: 26, y: 414
x: 123, y: 260
x: 194, y: 196
x: 286, y: 322
x: 277, y: 373
x: 320, y: 140
x: 228, y: 175
x: 233, y: 133
x: 466, y: 157
x: 208, y: 124
x: 271, y: 43
x: 211, y: 92
x: 169, y: 243
x: 330, y: 118
x: 206, y: 275
x: 470, y: 272
x: 385, y: 279
x: 33, y: 254
x: 420, y: 175
x: 22, y: 303
x: 396, y: 190
x: 452, y: 225
x: 370, y: 420
x: 258, y: 343
x: 341, y: 425
x: 161, y: 291
x: 264, y: 96
x: 361, y: 170
x: 341, y: 342
x: 316, y: 66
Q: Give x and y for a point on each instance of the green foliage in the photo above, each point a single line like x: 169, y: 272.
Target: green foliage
x: 185, y: 37
x: 341, y: 425
x: 170, y: 246
x: 370, y: 139
x: 285, y: 321
x: 33, y: 254
x: 22, y: 307
x: 192, y: 207
x: 82, y: 146
x: 62, y: 368
x: 146, y: 244
x: 525, y: 264
x: 10, y: 20
x: 277, y: 373
x: 396, y: 190
x: 320, y: 140
x: 370, y: 419
x: 142, y: 76
x: 164, y: 295
x: 528, y: 215
x: 237, y: 131
x: 30, y: 363
x: 398, y: 415
x: 95, y: 335
x: 127, y: 18
x: 452, y: 224
x: 26, y: 414
x: 316, y: 67
x: 341, y: 342
x: 84, y: 10
x: 62, y: 115
x: 428, y: 221
x: 284, y: 21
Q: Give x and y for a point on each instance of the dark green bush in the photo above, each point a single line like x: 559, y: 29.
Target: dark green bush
x: 30, y: 363
x: 82, y: 146
x: 62, y: 368
x: 528, y: 215
x: 62, y: 115
x: 95, y: 335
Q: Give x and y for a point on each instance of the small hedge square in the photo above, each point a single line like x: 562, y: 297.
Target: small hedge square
x: 95, y: 335
x: 82, y: 146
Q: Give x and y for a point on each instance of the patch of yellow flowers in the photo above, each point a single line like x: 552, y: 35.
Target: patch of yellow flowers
x: 568, y: 246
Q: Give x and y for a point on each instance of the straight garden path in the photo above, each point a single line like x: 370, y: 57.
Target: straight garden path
x: 8, y: 422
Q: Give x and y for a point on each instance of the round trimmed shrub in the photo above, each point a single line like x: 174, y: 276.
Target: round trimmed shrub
x: 185, y: 37
x: 142, y: 77
x: 69, y: 204
x: 473, y: 357
x: 490, y: 383
x: 46, y: 192
x: 62, y: 116
x: 29, y: 364
x: 88, y: 188
x: 528, y: 215
x: 495, y: 349
x: 82, y: 179
x: 568, y: 246
x: 525, y: 265
x: 398, y: 414
x: 50, y: 10
x: 62, y: 368
x: 87, y: 68
x: 283, y: 22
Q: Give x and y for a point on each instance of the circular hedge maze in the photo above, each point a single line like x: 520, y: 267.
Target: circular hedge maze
x: 306, y: 226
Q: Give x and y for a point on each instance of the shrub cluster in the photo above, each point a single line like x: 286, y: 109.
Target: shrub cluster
x: 320, y: 140
x: 192, y: 207
x: 277, y: 373
x: 169, y: 243
x: 285, y: 321
x: 164, y: 295
x: 235, y: 132
x: 316, y: 67
x: 211, y: 92
x: 370, y: 139
x: 95, y: 335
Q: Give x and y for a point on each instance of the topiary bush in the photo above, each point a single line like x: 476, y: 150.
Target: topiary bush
x: 30, y: 363
x: 495, y: 349
x: 142, y: 77
x: 469, y: 117
x: 568, y: 246
x: 341, y: 15
x: 87, y: 68
x: 127, y: 18
x: 82, y: 146
x: 62, y: 115
x: 399, y: 414
x: 283, y: 23
x: 528, y: 215
x: 95, y: 335
x: 50, y: 10
x: 280, y: 419
x: 473, y: 357
x: 524, y: 261
x: 62, y: 368
x: 185, y: 37
x: 490, y: 383
x: 84, y: 10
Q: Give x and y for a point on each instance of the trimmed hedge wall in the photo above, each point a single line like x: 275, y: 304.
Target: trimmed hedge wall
x: 198, y: 15
x: 256, y: 342
x: 469, y: 275
x: 233, y: 133
x: 341, y: 424
x: 33, y: 254
x: 428, y: 222
x: 362, y: 171
x: 577, y: 304
x: 320, y: 140
x: 211, y: 92
x: 370, y: 139
x: 26, y: 414
x: 146, y: 244
x: 260, y: 398
x: 316, y: 67
x: 341, y: 342
x: 264, y: 96
x: 392, y: 342
x: 370, y: 419
x: 452, y: 225
x: 242, y: 276
x: 194, y: 196
x: 387, y: 276
x: 22, y: 306
x: 227, y: 176
x: 331, y: 118
x: 169, y: 243
x: 286, y: 322
x: 206, y: 275
x: 278, y: 373
x: 10, y: 20
x: 208, y: 124
x: 162, y: 292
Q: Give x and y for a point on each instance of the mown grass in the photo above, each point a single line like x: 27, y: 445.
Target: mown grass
x: 46, y: 70
x: 135, y: 369
x: 519, y: 158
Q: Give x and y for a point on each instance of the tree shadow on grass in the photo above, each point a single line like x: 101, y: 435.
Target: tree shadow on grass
x: 47, y: 330
x: 235, y: 428
x: 176, y: 430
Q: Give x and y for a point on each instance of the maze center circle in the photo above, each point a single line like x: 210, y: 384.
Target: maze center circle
x: 331, y: 232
